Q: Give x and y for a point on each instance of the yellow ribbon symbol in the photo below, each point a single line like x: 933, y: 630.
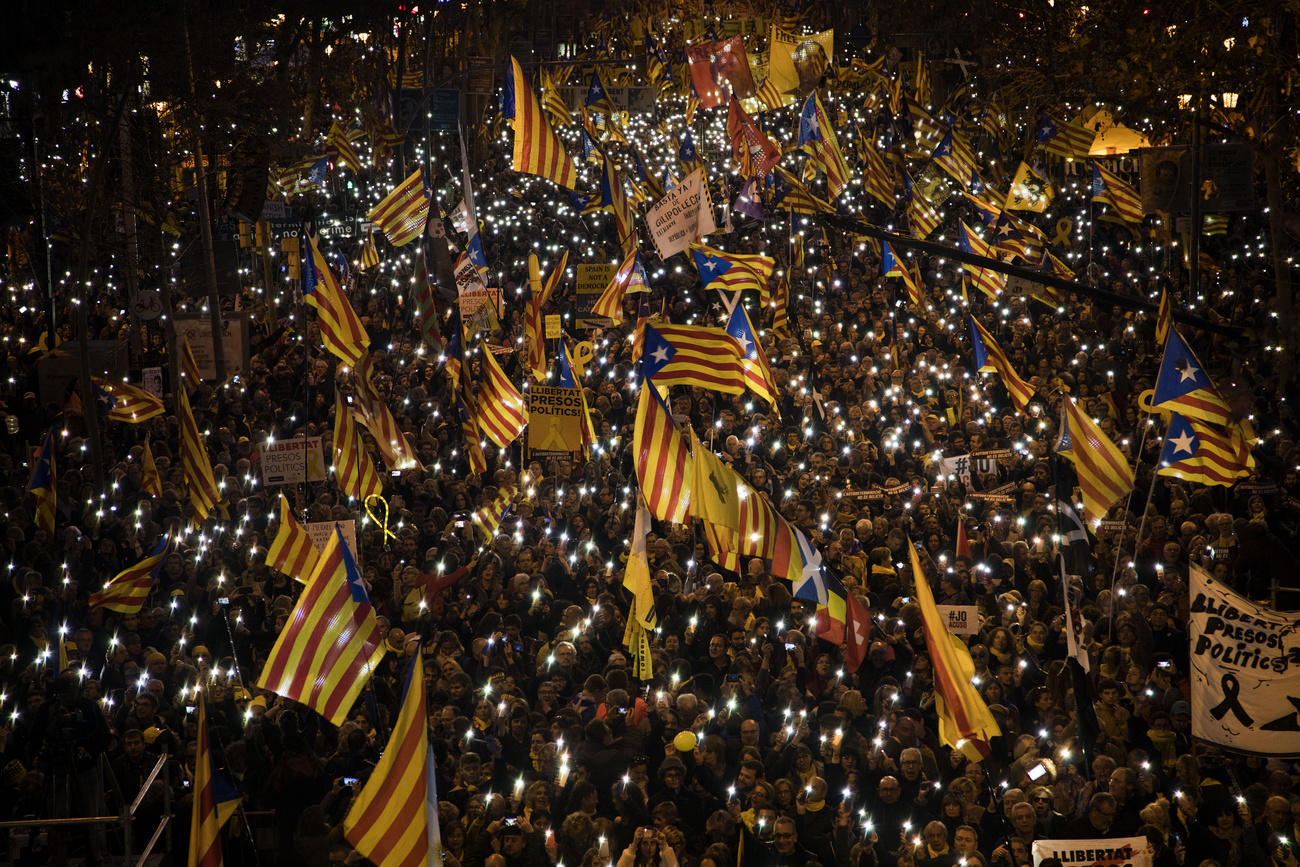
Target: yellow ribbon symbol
x: 1144, y: 404
x: 583, y: 353
x: 1063, y: 227
x: 383, y: 525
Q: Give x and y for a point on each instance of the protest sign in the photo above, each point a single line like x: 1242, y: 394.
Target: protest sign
x: 292, y: 461
x: 554, y: 420
x: 682, y: 216
x: 1108, y: 852
x: 1245, y: 663
x: 960, y: 619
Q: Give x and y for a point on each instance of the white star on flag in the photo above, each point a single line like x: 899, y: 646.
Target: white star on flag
x: 660, y: 354
x: 1183, y: 443
x: 1188, y: 372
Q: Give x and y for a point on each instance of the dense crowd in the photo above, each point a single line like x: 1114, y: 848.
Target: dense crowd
x: 753, y: 743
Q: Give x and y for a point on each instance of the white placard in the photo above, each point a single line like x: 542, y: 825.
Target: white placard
x: 292, y: 461
x: 682, y: 216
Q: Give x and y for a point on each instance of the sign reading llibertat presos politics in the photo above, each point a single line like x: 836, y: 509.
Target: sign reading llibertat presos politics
x: 1245, y: 675
x: 1107, y: 852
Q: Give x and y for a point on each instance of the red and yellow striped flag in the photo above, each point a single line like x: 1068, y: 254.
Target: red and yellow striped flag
x: 369, y: 257
x: 693, y: 355
x: 340, y: 328
x: 630, y: 277
x: 189, y: 366
x: 817, y: 138
x: 150, y: 481
x: 537, y: 149
x: 877, y: 180
x: 487, y: 519
x: 337, y: 140
x: 502, y: 412
x: 663, y: 462
x: 989, y: 358
x: 965, y: 722
x: 354, y: 471
x: 292, y: 552
x: 1110, y: 189
x: 394, y: 447
x: 194, y: 457
x: 129, y: 589
x: 329, y: 648
x: 393, y: 821
x: 538, y: 294
x: 43, y: 483
x: 402, y: 214
x: 130, y: 403
x: 215, y: 801
x: 1105, y: 476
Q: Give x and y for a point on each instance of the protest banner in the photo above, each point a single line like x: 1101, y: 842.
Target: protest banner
x: 591, y: 281
x: 320, y: 531
x: 796, y: 63
x: 682, y: 216
x: 1245, y: 663
x: 292, y: 461
x: 1107, y: 852
x: 960, y: 619
x: 554, y: 421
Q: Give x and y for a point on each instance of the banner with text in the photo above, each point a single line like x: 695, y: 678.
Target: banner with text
x: 1109, y: 852
x: 554, y: 420
x: 292, y: 461
x: 682, y: 216
x: 320, y: 531
x: 1245, y: 671
x: 591, y: 281
x: 960, y: 619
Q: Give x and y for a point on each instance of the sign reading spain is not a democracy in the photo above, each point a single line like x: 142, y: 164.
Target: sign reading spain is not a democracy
x: 1109, y: 852
x: 1245, y: 663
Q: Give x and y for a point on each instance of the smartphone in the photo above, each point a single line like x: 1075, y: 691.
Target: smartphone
x: 1164, y: 663
x: 649, y: 833
x: 512, y: 820
x: 732, y: 678
x: 349, y: 781
x: 1037, y: 772
x: 224, y: 600
x: 188, y: 783
x: 789, y: 646
x: 460, y: 524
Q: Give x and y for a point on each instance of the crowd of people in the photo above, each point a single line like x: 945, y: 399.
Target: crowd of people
x: 753, y: 742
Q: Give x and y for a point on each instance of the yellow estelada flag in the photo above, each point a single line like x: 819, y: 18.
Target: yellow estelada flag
x: 965, y: 722
x: 1029, y: 191
x: 717, y: 498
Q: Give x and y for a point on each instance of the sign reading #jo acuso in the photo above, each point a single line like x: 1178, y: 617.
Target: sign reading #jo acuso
x: 1245, y: 663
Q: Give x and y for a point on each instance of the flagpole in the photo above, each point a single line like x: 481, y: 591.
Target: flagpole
x: 1137, y: 541
x: 1119, y: 548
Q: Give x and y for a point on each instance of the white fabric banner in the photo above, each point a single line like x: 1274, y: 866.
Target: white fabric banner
x: 1109, y: 852
x: 682, y: 216
x: 1245, y: 671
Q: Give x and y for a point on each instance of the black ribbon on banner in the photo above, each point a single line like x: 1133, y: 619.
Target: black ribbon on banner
x: 1231, y: 702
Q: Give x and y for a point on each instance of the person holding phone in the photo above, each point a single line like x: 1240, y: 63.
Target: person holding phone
x: 648, y: 849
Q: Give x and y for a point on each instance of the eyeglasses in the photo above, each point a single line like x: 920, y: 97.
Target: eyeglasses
x: 1042, y: 800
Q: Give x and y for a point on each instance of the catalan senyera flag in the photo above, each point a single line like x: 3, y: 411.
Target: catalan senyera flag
x: 615, y: 201
x: 990, y: 282
x: 955, y: 156
x: 1164, y: 317
x: 537, y: 149
x: 922, y: 217
x: 337, y: 141
x: 1063, y: 139
x: 758, y: 373
x: 567, y: 379
x: 487, y: 519
x: 1183, y: 386
x: 292, y: 552
x: 536, y: 294
x: 817, y: 137
x: 733, y: 272
x: 340, y: 328
x: 877, y: 180
x: 129, y: 588
x: 753, y: 151
x: 965, y: 722
x: 43, y: 485
x: 215, y: 800
x: 394, y: 447
x: 693, y: 355
x: 989, y: 358
x: 329, y: 647
x: 354, y: 471
x: 502, y: 412
x: 892, y: 266
x: 715, y: 489
x: 150, y: 481
x: 1110, y: 189
x: 1105, y: 476
x: 393, y: 820
x: 403, y: 213
x: 630, y: 277
x: 129, y: 403
x: 1197, y: 452
x: 787, y: 193
x: 755, y: 538
x: 553, y: 101
x: 194, y: 458
x: 369, y: 257
x: 663, y: 461
x: 188, y: 365
x: 781, y: 307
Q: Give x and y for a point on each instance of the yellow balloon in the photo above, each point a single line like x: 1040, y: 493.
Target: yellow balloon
x: 684, y: 742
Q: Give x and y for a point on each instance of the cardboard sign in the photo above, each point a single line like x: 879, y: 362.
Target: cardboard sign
x: 320, y: 531
x: 554, y: 420
x: 960, y: 619
x: 292, y: 461
x: 682, y: 216
x: 552, y: 321
x: 198, y: 328
x: 593, y: 277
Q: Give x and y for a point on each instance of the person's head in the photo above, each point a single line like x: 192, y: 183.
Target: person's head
x: 512, y: 843
x: 1023, y: 818
x: 909, y: 763
x: 965, y: 840
x: 785, y: 836
x: 1101, y: 810
x: 1121, y: 784
x: 935, y: 835
x: 133, y: 744
x: 749, y: 733
x: 889, y: 789
x: 1041, y: 799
